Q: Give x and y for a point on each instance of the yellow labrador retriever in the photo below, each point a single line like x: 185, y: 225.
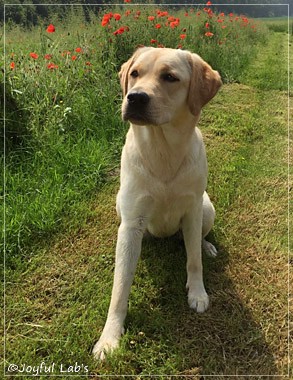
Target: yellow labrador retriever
x: 163, y: 171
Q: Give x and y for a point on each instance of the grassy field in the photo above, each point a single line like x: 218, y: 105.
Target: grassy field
x: 63, y: 142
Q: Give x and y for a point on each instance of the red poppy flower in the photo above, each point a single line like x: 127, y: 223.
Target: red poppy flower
x: 34, y: 55
x: 158, y: 26
x: 207, y: 25
x: 117, y: 16
x: 151, y: 18
x: 12, y: 65
x: 52, y: 66
x: 51, y: 28
x: 106, y: 19
x: 78, y: 50
x: 153, y: 41
x: 175, y: 22
x: 127, y: 1
x: 162, y: 14
x: 48, y: 56
x: 121, y: 30
x: 209, y: 3
x: 74, y: 57
x: 209, y: 34
x: 182, y: 36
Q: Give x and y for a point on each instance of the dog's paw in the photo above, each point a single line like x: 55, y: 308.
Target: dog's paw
x: 198, y: 301
x: 209, y: 248
x: 104, y: 346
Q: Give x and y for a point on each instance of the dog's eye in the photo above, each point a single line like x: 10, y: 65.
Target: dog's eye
x: 134, y: 74
x: 170, y: 78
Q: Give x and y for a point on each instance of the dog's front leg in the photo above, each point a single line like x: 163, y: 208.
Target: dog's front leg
x: 192, y: 233
x: 127, y: 253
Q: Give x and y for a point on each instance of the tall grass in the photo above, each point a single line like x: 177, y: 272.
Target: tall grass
x: 63, y: 127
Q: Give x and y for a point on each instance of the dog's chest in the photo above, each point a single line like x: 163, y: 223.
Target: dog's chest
x: 168, y: 208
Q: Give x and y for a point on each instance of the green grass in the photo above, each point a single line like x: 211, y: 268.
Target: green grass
x: 61, y: 225
x: 279, y: 24
x: 63, y: 125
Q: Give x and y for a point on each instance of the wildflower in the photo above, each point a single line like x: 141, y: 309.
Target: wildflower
x: 117, y: 16
x: 34, y: 55
x: 175, y: 23
x: 121, y: 30
x: 209, y: 34
x: 182, y: 36
x: 151, y: 18
x: 162, y: 14
x: 12, y: 65
x: 88, y: 63
x: 127, y: 1
x: 48, y: 56
x: 209, y: 12
x: 186, y: 14
x: 106, y: 19
x: 127, y: 13
x: 209, y: 3
x: 74, y: 57
x: 207, y: 25
x: 158, y: 26
x: 179, y: 46
x: 51, y: 28
x: 51, y: 66
x: 78, y: 50
x: 153, y: 41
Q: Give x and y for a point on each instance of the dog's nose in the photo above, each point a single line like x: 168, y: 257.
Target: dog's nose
x: 138, y: 98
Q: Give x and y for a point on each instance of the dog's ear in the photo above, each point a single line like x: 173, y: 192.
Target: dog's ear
x: 204, y: 84
x: 124, y: 71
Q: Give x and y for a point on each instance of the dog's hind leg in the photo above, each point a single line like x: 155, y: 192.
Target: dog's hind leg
x: 207, y: 224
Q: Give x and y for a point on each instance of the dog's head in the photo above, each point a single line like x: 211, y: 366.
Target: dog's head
x: 161, y: 84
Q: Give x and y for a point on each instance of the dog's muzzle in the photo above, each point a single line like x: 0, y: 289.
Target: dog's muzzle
x: 137, y: 107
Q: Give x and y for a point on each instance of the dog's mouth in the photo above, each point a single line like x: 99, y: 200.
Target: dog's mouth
x: 136, y: 117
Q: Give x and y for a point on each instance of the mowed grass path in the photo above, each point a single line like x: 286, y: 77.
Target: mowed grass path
x: 56, y: 307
